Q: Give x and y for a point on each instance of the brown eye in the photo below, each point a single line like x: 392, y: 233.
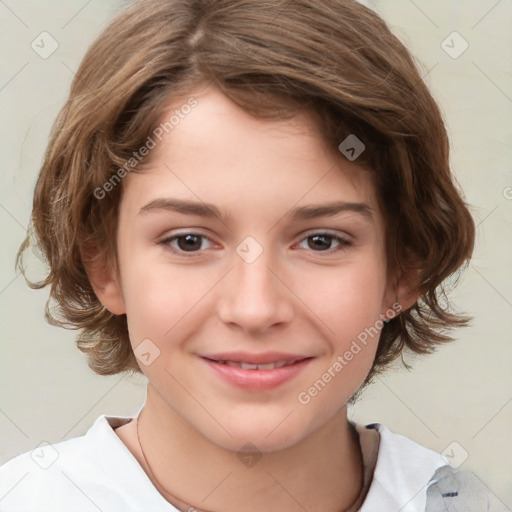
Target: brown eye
x: 187, y: 242
x: 323, y: 242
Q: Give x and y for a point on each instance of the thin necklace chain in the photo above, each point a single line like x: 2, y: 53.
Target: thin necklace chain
x: 189, y: 506
x: 151, y: 472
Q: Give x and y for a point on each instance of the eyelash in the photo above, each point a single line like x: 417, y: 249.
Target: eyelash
x: 343, y: 243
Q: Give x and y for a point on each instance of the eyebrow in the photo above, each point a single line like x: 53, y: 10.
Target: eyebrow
x: 208, y: 210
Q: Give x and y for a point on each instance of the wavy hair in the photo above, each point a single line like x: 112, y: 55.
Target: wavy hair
x: 334, y: 58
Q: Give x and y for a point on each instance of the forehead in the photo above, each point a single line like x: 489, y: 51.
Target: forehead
x: 217, y: 152
x: 216, y: 123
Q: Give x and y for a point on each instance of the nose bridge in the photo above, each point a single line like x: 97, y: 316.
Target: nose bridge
x: 253, y: 297
x: 255, y: 277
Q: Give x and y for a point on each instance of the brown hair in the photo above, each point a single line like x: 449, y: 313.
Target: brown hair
x: 334, y: 58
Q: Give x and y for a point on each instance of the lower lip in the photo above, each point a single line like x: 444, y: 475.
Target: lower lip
x: 257, y: 380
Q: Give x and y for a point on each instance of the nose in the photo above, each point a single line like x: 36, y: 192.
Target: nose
x: 254, y: 296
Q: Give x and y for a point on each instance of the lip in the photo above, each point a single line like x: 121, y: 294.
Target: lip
x: 256, y: 379
x: 247, y: 357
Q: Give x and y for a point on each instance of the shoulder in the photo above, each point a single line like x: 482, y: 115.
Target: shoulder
x: 52, y: 476
x: 412, y: 478
x: 29, y: 479
x: 457, y: 489
x: 402, y: 472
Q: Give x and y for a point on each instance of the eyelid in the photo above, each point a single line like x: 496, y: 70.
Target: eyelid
x: 169, y: 237
x: 344, y: 240
x: 183, y: 232
x: 330, y: 232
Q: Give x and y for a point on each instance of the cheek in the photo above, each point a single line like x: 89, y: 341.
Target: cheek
x: 347, y: 299
x: 348, y: 304
x: 160, y: 299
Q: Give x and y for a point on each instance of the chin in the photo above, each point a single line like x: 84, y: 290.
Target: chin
x: 268, y: 435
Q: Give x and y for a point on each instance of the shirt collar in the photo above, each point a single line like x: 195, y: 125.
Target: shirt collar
x: 402, y: 472
x: 398, y: 482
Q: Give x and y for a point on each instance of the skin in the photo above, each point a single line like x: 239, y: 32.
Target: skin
x: 294, y: 298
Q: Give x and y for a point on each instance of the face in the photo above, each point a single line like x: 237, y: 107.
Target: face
x: 252, y: 271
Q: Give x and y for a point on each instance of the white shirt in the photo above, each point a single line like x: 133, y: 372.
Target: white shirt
x: 97, y: 472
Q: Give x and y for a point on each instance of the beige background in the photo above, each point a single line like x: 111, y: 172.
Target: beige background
x: 463, y: 394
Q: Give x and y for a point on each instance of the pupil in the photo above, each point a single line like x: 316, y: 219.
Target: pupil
x: 320, y: 245
x: 191, y: 242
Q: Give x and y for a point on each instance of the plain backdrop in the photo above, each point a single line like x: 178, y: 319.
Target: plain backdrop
x: 457, y: 401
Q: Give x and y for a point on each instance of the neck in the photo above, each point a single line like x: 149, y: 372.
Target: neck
x: 321, y: 472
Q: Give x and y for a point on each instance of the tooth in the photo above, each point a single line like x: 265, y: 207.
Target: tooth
x: 251, y: 366
x: 268, y: 366
x: 248, y: 366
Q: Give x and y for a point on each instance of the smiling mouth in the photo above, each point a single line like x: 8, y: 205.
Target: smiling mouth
x: 257, y: 372
x: 252, y: 366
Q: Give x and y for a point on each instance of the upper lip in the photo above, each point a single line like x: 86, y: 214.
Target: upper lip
x: 263, y: 358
